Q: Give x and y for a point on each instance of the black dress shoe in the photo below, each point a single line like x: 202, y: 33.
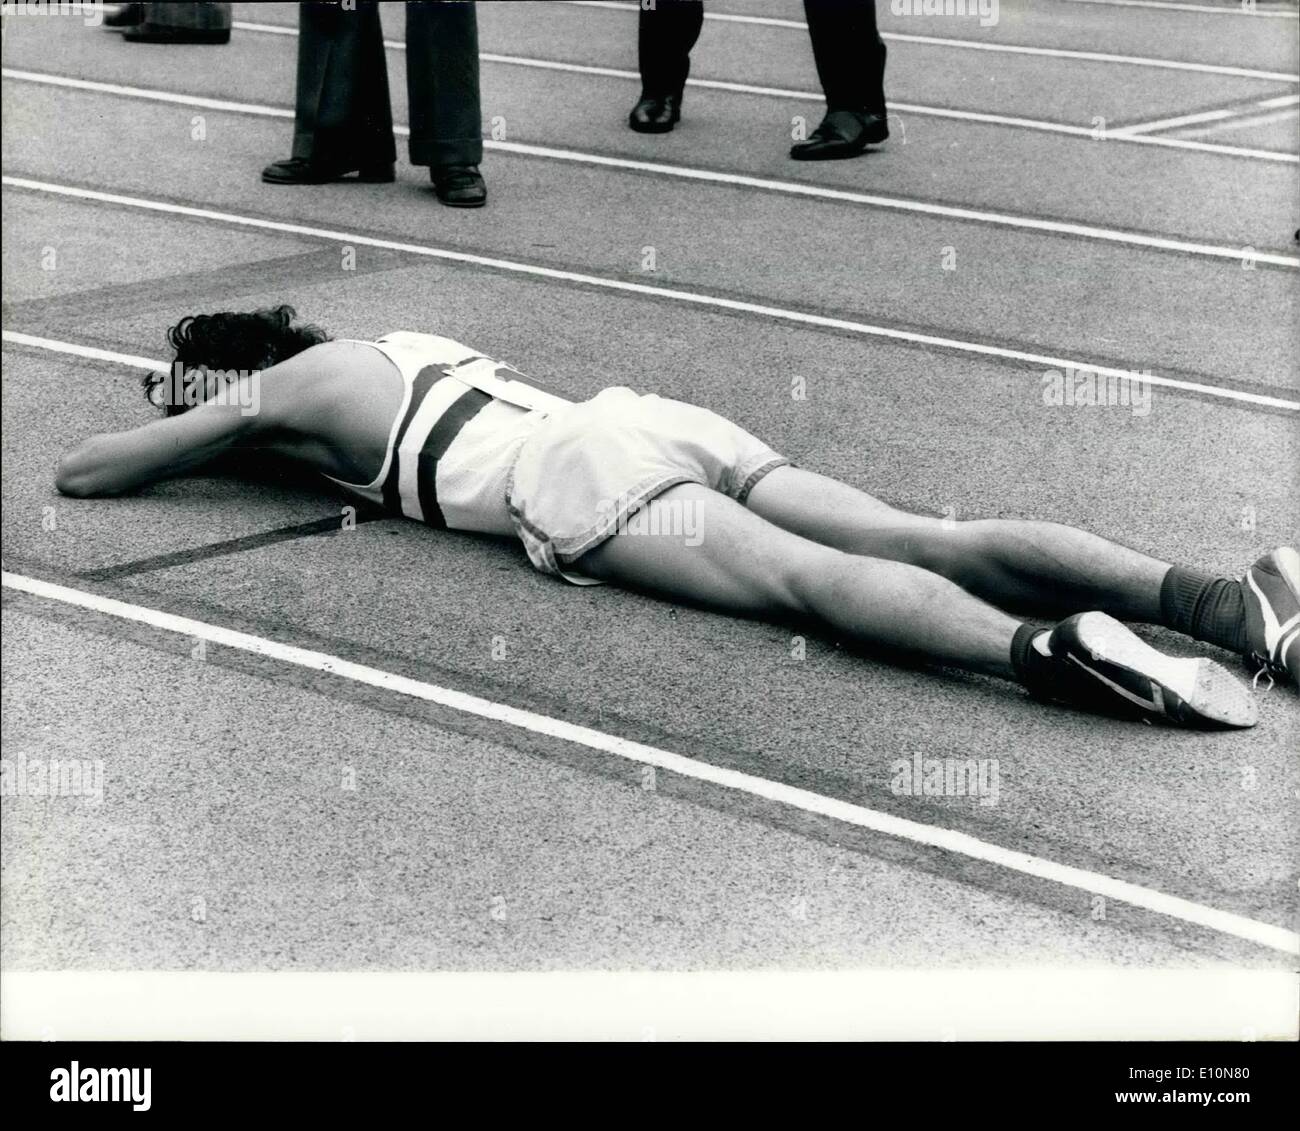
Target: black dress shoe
x: 843, y: 133
x: 125, y: 15
x: 167, y: 33
x: 299, y: 171
x: 656, y: 115
x: 459, y: 186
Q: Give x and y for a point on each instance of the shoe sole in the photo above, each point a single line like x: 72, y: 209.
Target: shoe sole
x: 654, y: 129
x: 833, y: 154
x: 140, y: 33
x: 343, y: 179
x: 854, y: 150
x: 1186, y: 692
x: 1287, y: 563
x: 462, y: 203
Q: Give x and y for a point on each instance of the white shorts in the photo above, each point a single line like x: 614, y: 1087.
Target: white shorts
x: 586, y: 469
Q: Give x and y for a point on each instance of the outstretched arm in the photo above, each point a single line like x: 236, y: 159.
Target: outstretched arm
x: 115, y: 462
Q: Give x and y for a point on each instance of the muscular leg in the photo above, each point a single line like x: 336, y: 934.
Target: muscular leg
x: 741, y: 563
x: 695, y: 544
x: 1042, y: 567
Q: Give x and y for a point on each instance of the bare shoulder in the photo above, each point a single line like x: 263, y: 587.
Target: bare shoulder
x: 331, y: 402
x: 322, y: 378
x: 344, y: 357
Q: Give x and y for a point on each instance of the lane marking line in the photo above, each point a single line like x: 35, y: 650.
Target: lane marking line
x: 737, y: 180
x: 1223, y: 10
x: 153, y: 364
x: 693, y: 298
x: 975, y: 45
x: 90, y: 352
x: 1254, y: 120
x: 949, y: 840
x: 816, y: 96
x: 1206, y: 116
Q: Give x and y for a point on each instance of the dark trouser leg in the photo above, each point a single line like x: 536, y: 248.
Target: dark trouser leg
x: 343, y: 116
x: 665, y: 36
x: 442, y: 83
x: 849, y: 52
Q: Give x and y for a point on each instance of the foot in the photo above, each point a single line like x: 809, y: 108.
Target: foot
x: 843, y: 133
x: 165, y: 33
x: 125, y: 15
x: 299, y: 171
x: 459, y: 186
x: 1098, y: 663
x: 1271, y: 591
x: 656, y: 114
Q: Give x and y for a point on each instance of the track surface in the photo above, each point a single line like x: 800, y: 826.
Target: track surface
x: 225, y: 840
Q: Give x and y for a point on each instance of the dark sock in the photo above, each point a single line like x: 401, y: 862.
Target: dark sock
x: 1032, y: 668
x: 1204, y: 607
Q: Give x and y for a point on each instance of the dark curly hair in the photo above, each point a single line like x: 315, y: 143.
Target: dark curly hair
x: 231, y: 341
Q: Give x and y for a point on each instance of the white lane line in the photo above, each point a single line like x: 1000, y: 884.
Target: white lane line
x: 734, y: 180
x: 1210, y: 10
x: 1247, y: 123
x: 1066, y: 129
x: 1171, y: 123
x: 976, y: 45
x: 692, y: 298
x: 1206, y: 116
x: 152, y: 95
x: 89, y: 352
x: 984, y: 118
x: 963, y: 844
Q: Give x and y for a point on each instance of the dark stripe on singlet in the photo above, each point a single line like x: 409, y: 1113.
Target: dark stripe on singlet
x: 463, y: 409
x: 420, y: 387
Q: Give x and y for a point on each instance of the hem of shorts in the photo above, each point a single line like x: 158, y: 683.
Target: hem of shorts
x: 584, y: 543
x: 752, y: 479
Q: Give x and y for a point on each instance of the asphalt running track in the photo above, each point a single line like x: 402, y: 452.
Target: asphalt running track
x: 554, y: 778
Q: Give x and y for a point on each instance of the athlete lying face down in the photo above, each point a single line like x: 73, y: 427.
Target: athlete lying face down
x: 662, y: 496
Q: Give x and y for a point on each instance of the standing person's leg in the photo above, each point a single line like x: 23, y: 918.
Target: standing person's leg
x: 666, y: 33
x: 442, y: 83
x: 342, y: 122
x: 850, y: 58
x: 738, y: 562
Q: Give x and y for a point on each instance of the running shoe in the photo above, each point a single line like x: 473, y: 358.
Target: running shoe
x: 1104, y: 665
x: 1271, y: 590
